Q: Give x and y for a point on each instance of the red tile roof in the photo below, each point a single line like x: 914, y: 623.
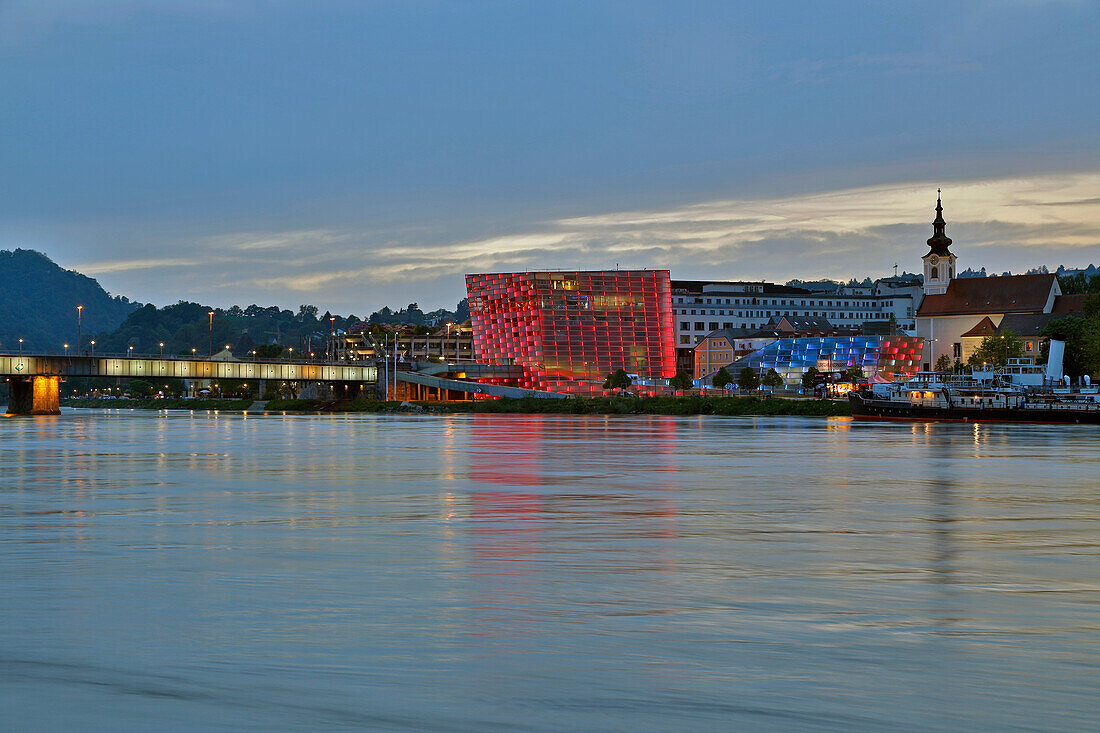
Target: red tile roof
x: 985, y: 327
x: 1069, y: 304
x: 1006, y: 294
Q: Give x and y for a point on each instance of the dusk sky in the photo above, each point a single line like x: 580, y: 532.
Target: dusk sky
x: 359, y: 154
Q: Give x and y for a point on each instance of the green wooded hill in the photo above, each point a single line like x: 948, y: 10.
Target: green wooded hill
x: 38, y: 301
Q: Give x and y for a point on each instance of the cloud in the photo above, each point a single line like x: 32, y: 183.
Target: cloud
x: 1002, y: 223
x: 152, y: 263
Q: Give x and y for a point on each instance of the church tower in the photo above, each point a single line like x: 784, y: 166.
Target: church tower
x: 939, y: 263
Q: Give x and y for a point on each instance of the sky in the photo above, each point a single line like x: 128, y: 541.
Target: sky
x: 366, y: 153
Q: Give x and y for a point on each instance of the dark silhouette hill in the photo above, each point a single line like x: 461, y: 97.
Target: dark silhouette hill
x: 38, y: 301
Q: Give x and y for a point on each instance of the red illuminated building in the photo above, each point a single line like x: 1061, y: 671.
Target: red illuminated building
x: 563, y: 326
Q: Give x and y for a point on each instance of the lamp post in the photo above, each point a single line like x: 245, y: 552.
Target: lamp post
x: 130, y: 351
x: 79, y: 313
x: 192, y: 352
x: 66, y: 350
x: 21, y: 347
x: 211, y: 344
x: 332, y: 338
x: 92, y: 342
x: 931, y: 342
x: 161, y: 345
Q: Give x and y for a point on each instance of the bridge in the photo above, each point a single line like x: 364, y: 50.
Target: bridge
x: 34, y: 378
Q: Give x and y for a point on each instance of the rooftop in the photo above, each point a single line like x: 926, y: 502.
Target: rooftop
x: 1006, y: 294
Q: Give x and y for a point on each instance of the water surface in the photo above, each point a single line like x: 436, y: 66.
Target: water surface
x: 177, y: 571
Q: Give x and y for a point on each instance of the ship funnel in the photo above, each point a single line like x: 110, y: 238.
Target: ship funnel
x: 1054, y: 360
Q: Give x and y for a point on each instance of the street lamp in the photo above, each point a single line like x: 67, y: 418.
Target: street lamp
x: 21, y: 347
x: 66, y: 350
x: 192, y: 352
x: 79, y: 313
x: 92, y: 342
x: 161, y: 345
x: 332, y: 337
x: 130, y: 351
x: 211, y: 344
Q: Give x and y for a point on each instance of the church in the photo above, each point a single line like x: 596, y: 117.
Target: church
x: 957, y: 313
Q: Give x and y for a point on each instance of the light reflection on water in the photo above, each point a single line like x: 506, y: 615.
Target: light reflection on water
x: 184, y: 572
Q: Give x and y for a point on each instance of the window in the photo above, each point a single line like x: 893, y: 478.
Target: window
x: 1029, y: 346
x: 699, y: 325
x: 957, y: 350
x: 935, y: 273
x: 713, y: 325
x: 685, y: 339
x: 727, y: 325
x: 685, y: 326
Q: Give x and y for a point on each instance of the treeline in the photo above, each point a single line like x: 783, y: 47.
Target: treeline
x: 39, y: 299
x: 1079, y: 283
x: 185, y: 326
x: 412, y: 315
x: 271, y: 331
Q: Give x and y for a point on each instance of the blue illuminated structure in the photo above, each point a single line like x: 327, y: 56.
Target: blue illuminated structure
x: 888, y: 357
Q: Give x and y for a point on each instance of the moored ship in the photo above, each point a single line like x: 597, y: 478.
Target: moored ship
x: 1019, y: 392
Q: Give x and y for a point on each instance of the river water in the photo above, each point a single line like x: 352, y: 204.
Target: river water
x: 180, y: 571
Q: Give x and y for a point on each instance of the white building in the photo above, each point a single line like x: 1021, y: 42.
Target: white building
x: 957, y: 313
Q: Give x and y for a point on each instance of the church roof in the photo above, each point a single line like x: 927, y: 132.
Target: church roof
x: 984, y: 328
x: 1074, y: 304
x: 1027, y: 324
x: 1006, y: 294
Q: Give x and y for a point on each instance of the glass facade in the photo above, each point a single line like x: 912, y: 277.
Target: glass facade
x: 574, y: 325
x: 885, y: 356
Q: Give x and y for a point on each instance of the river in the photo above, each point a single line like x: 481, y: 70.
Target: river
x: 180, y: 572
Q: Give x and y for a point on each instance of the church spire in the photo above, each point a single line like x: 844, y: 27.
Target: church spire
x: 939, y: 242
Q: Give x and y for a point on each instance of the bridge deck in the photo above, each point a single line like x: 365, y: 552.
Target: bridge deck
x: 181, y: 368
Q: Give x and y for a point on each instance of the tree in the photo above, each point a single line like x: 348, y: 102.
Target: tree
x: 996, y: 349
x: 682, y: 380
x: 748, y: 379
x: 1079, y: 283
x: 140, y: 388
x: 619, y: 380
x: 1082, y: 337
x: 269, y: 351
x: 854, y: 373
x: 808, y: 377
x: 772, y: 379
x: 721, y: 378
x: 943, y: 364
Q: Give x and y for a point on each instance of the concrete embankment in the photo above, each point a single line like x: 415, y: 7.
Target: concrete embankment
x: 693, y: 405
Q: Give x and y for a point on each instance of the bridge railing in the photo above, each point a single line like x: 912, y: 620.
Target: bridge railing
x: 87, y: 354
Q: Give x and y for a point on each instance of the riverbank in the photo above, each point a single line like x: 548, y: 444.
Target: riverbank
x: 692, y: 405
x: 159, y: 404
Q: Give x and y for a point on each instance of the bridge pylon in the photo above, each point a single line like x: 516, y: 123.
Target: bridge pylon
x: 37, y: 395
